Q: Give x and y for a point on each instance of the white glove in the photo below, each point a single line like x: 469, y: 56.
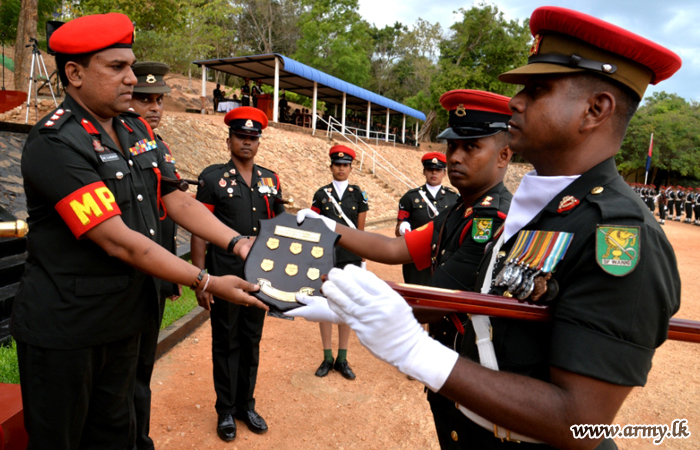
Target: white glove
x: 315, y: 309
x: 304, y: 213
x: 385, y: 324
x: 404, y: 227
x: 363, y: 265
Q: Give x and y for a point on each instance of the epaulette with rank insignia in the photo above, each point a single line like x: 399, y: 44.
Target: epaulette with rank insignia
x: 56, y: 120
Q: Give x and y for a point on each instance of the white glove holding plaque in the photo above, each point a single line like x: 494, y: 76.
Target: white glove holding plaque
x: 315, y: 309
x: 308, y: 212
x: 384, y: 323
x: 404, y: 228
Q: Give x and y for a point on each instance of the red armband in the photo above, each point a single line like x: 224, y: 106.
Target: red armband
x: 316, y: 210
x: 208, y: 206
x: 88, y: 207
x: 419, y: 245
x: 403, y: 215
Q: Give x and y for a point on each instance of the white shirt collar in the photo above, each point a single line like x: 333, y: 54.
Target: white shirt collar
x: 340, y: 187
x: 534, y: 193
x: 433, y: 189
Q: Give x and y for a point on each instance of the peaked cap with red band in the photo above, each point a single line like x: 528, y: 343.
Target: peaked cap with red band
x: 434, y: 160
x: 341, y: 154
x: 246, y: 121
x: 89, y: 34
x: 474, y: 114
x: 568, y: 41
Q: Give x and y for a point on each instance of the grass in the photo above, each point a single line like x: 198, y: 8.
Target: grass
x: 175, y: 309
x: 9, y: 370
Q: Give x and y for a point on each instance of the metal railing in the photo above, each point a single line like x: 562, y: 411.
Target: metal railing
x: 368, y: 150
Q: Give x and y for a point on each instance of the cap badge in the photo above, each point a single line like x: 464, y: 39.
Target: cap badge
x: 461, y: 111
x: 150, y: 79
x: 249, y: 123
x: 567, y: 203
x: 434, y: 161
x: 341, y: 154
x: 535, y: 45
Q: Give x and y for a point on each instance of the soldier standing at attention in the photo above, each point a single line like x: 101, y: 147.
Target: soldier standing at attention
x: 689, y: 204
x: 423, y: 204
x: 239, y: 193
x: 696, y: 205
x: 454, y: 243
x: 245, y: 92
x: 680, y: 198
x: 347, y: 204
x: 576, y: 236
x: 147, y: 101
x: 661, y: 201
x: 93, y: 175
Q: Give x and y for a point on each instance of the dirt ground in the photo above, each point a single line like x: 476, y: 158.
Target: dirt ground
x: 382, y: 409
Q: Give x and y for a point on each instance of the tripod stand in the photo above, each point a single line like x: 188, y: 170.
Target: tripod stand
x: 38, y: 62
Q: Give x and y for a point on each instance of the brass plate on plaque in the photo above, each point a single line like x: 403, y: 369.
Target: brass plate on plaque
x: 317, y: 252
x: 273, y: 243
x: 292, y: 233
x: 267, y: 265
x: 267, y: 289
x: 313, y: 274
x: 295, y: 248
x: 291, y: 269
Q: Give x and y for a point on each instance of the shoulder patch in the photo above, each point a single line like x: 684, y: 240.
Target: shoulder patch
x: 365, y: 197
x: 482, y: 229
x: 55, y: 120
x: 617, y: 249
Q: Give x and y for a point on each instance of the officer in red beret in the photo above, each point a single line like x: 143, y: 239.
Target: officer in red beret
x: 576, y: 237
x: 420, y: 205
x: 346, y: 204
x: 239, y: 193
x: 94, y: 177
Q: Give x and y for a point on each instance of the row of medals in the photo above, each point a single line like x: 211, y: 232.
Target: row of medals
x: 522, y: 281
x: 292, y: 269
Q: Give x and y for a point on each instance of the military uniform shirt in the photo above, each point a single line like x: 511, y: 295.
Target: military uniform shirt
x: 605, y: 327
x: 72, y: 294
x: 354, y: 202
x: 412, y: 207
x: 239, y: 206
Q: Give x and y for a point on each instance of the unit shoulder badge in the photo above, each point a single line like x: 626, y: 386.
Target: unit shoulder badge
x: 481, y: 229
x: 617, y: 249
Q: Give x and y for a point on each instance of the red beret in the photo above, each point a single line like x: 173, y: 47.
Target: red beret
x: 474, y: 114
x: 434, y: 160
x: 568, y: 41
x: 341, y: 154
x: 246, y: 120
x: 89, y: 34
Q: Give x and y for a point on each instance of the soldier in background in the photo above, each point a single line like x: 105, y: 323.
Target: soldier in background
x: 147, y: 101
x: 423, y: 204
x: 689, y: 204
x: 245, y: 92
x: 680, y: 198
x: 661, y: 198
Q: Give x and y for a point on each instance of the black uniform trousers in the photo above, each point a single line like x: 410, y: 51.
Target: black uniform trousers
x: 144, y: 371
x: 679, y: 209
x: 236, y: 332
x: 662, y: 209
x: 103, y: 378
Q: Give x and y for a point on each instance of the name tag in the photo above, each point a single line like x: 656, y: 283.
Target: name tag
x: 106, y: 157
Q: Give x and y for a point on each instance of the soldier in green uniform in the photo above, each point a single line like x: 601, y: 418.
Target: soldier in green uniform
x: 452, y: 245
x: 147, y: 101
x: 423, y: 204
x: 239, y: 193
x: 93, y: 176
x: 347, y: 204
x: 576, y: 237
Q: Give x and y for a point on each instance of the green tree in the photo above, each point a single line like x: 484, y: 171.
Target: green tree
x: 335, y: 40
x: 674, y: 122
x: 483, y: 44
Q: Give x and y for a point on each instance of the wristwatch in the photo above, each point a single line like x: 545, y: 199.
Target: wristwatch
x: 234, y: 241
